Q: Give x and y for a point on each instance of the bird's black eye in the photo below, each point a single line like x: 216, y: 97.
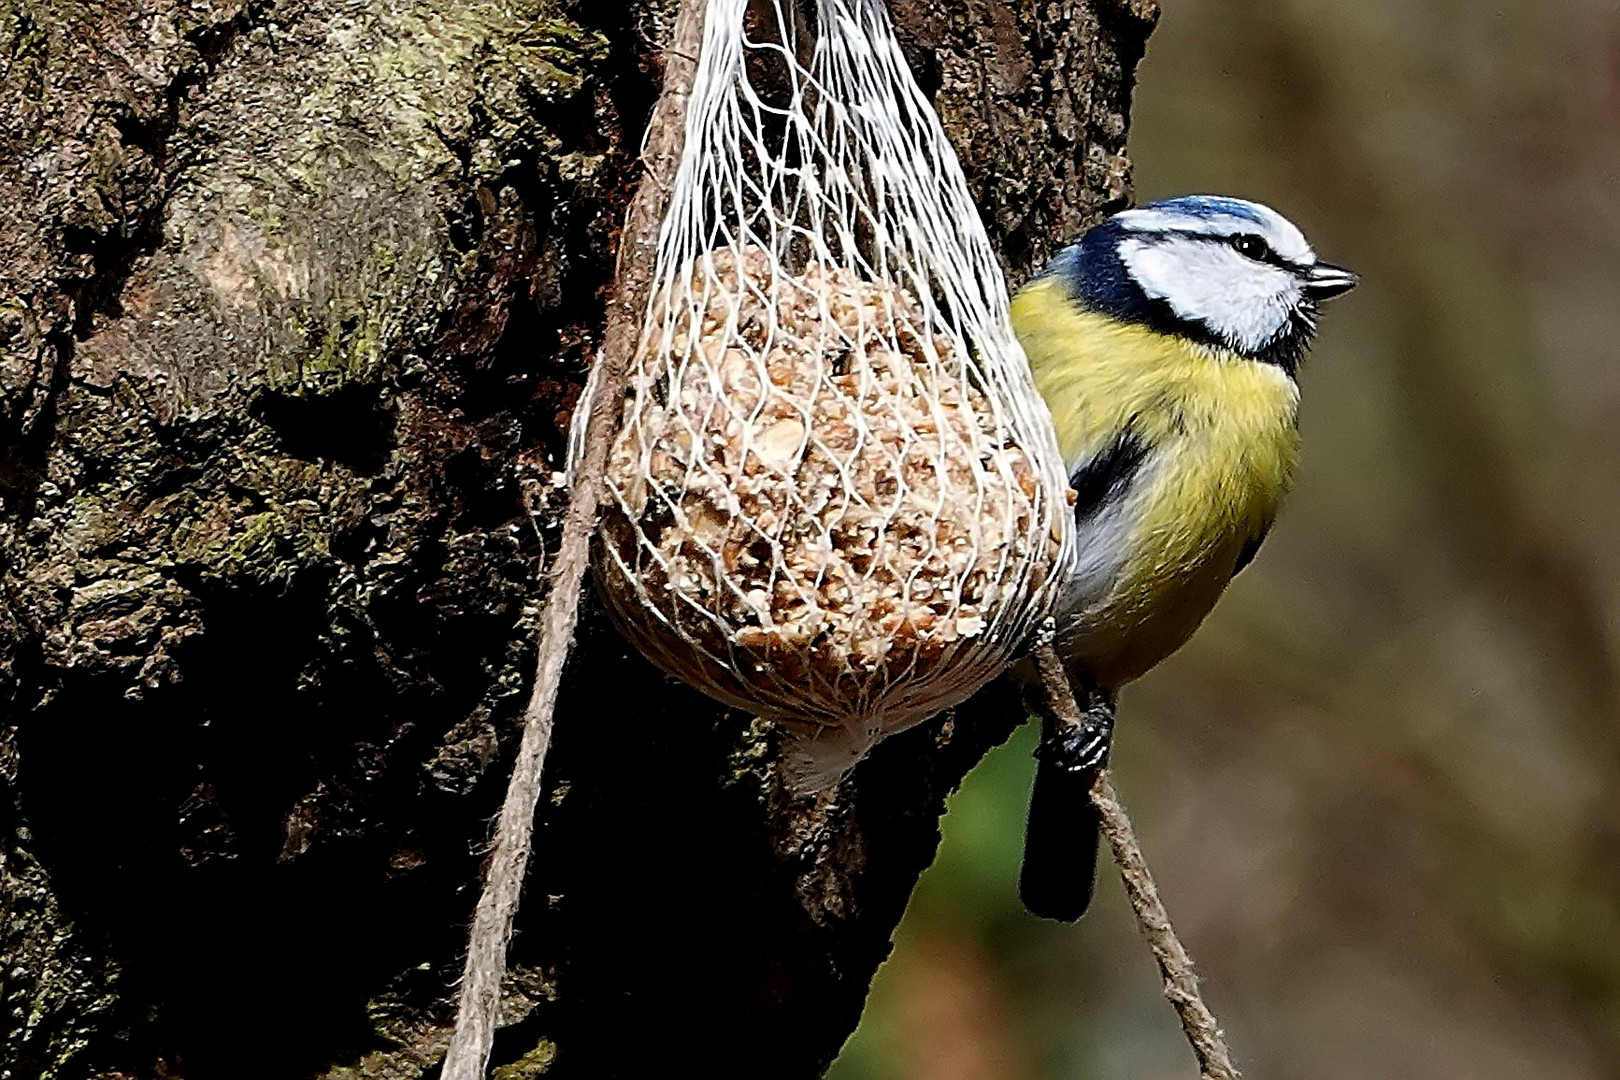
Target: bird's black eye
x: 1251, y: 246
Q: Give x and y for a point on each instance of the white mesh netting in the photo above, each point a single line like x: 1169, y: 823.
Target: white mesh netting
x: 836, y: 499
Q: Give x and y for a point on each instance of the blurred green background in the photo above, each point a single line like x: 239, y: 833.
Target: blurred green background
x: 1381, y: 787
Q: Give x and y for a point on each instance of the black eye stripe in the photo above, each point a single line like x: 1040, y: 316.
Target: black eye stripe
x: 1264, y: 253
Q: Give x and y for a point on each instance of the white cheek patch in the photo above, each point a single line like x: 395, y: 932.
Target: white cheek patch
x: 1243, y: 301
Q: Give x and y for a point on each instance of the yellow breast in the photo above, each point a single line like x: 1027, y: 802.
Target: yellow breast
x: 1221, y: 447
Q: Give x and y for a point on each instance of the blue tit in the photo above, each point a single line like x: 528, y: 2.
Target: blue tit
x: 1166, y: 343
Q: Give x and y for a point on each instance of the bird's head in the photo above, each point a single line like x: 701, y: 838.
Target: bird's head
x: 1220, y: 271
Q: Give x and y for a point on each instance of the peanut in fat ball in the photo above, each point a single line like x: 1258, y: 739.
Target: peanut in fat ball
x: 1166, y: 343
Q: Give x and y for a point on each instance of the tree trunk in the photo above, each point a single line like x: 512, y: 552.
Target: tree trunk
x: 295, y: 299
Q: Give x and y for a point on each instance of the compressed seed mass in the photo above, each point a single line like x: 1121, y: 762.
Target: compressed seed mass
x: 809, y: 495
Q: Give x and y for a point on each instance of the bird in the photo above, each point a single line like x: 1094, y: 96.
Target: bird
x: 1166, y: 342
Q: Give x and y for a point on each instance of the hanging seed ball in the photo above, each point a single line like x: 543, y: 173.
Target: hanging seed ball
x: 813, y: 498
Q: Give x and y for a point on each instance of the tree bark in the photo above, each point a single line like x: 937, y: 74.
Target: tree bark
x: 295, y: 299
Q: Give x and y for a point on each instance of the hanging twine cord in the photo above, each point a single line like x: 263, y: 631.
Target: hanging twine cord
x: 491, y: 932
x: 1176, y: 967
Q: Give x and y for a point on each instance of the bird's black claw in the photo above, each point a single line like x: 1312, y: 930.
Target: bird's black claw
x: 1080, y: 748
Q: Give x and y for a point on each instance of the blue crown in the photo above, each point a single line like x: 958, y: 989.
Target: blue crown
x: 1206, y: 207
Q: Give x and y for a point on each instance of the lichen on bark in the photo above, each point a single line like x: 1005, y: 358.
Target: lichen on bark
x: 295, y: 298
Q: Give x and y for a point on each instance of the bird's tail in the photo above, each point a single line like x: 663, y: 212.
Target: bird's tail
x: 1060, y: 843
x: 1060, y: 838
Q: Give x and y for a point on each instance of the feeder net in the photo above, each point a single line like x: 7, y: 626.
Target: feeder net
x: 836, y: 500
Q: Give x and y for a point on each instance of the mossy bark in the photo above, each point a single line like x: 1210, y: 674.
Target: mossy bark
x: 295, y: 299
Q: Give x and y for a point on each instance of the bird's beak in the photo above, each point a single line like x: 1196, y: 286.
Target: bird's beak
x: 1326, y: 280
